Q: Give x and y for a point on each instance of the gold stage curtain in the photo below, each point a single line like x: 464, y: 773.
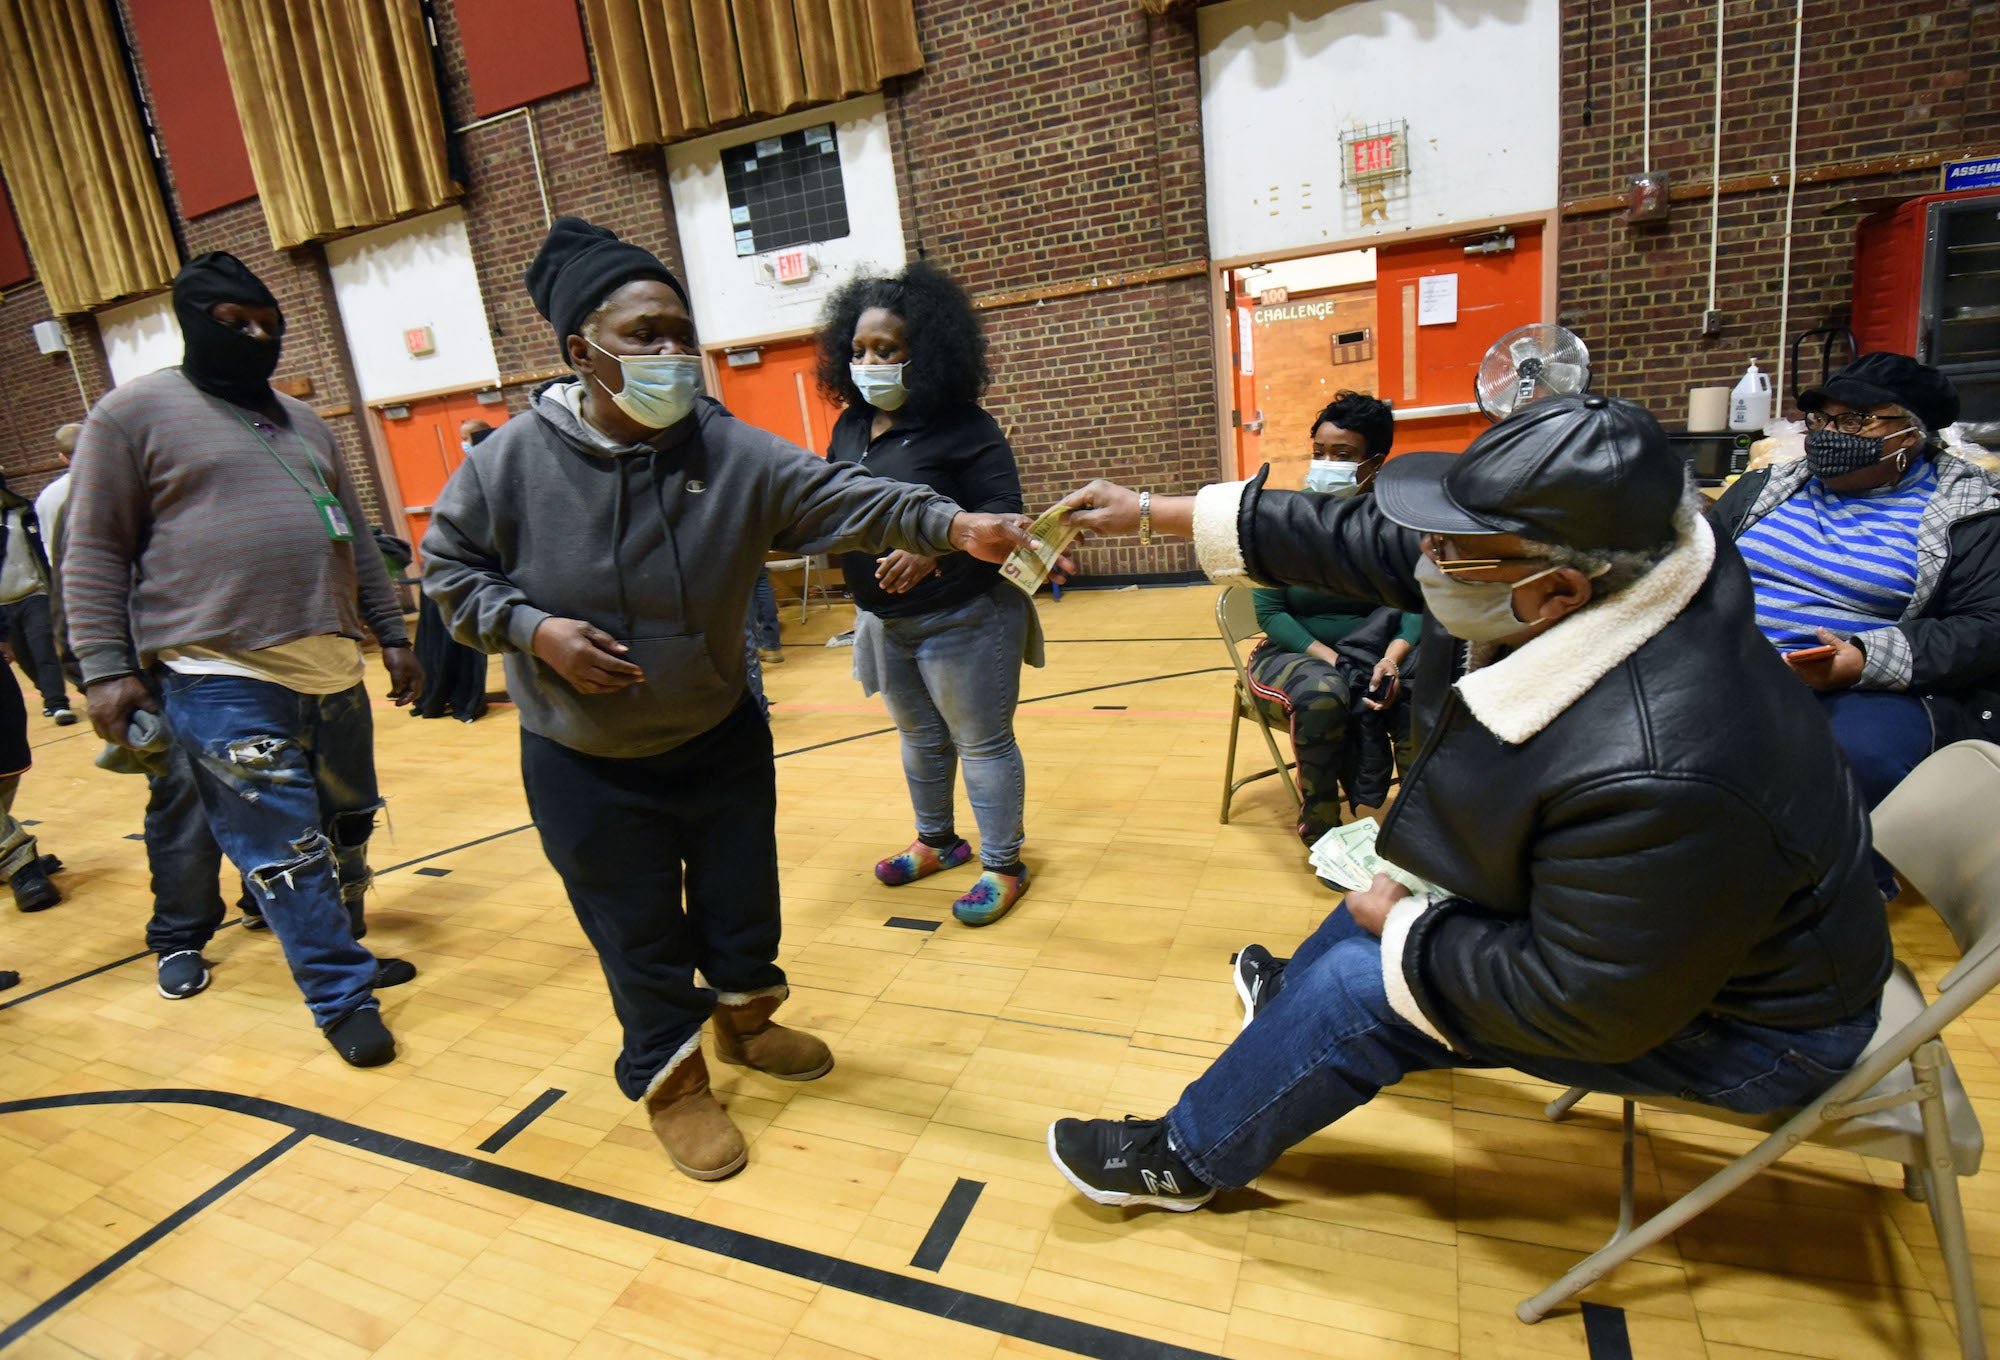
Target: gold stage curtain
x: 673, y: 69
x: 339, y: 105
x: 76, y: 160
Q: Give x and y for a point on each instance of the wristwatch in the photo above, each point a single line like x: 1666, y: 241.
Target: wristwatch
x: 1145, y: 519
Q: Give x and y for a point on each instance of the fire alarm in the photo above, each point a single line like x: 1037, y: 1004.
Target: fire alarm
x: 419, y: 341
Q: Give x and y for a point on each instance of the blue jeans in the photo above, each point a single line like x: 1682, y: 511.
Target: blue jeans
x: 288, y: 781
x: 184, y: 859
x: 951, y: 679
x: 1884, y: 735
x: 1329, y: 1041
x: 764, y: 613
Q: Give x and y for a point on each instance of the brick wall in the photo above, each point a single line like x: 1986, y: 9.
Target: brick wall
x: 1046, y: 143
x: 40, y: 390
x: 1889, y: 78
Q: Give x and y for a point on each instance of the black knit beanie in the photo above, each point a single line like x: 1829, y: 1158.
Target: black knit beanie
x: 219, y: 359
x: 579, y: 265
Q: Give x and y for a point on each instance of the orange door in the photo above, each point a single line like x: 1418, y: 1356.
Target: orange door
x: 424, y: 449
x: 773, y: 387
x: 1247, y: 417
x: 1430, y: 366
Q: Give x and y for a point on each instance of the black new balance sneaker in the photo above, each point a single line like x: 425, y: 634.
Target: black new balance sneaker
x: 1125, y: 1161
x: 183, y: 972
x: 1257, y: 976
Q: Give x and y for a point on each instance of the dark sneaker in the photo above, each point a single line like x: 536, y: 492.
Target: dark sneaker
x: 8, y: 978
x: 1257, y: 976
x: 394, y: 972
x: 182, y: 973
x: 1125, y: 1161
x: 32, y: 889
x: 361, y: 1038
x: 64, y: 716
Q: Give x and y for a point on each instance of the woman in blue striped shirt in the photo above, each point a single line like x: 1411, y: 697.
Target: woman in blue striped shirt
x: 1876, y: 566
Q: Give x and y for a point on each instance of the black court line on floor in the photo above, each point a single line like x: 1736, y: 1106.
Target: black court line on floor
x: 871, y: 1282
x: 135, y: 835
x: 433, y: 872
x: 1107, y: 708
x: 103, y: 1270
x: 101, y: 968
x: 1604, y: 1332
x: 948, y: 1224
x: 537, y: 1107
x: 911, y: 923
x: 530, y: 826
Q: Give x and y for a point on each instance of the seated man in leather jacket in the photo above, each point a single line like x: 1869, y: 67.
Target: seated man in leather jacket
x: 1652, y: 864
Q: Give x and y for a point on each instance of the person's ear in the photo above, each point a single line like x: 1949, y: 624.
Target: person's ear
x: 1562, y: 594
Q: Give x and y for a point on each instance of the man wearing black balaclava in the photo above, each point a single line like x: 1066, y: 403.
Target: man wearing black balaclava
x: 216, y: 568
x: 606, y: 541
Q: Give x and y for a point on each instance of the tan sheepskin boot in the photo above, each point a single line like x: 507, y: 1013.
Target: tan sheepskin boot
x: 701, y: 1140
x: 746, y: 1035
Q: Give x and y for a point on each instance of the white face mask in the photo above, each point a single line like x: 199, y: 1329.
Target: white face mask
x: 880, y: 385
x: 1478, y: 611
x: 1335, y: 478
x: 659, y: 388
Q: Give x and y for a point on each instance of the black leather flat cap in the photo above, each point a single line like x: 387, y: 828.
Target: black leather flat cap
x: 1588, y: 472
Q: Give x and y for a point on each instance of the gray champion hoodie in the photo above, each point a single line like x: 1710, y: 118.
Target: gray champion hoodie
x: 658, y: 544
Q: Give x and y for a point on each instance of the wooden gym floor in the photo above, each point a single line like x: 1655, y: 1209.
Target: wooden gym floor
x: 205, y: 1177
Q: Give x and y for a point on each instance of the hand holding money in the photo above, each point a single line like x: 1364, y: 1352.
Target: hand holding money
x: 1051, y: 533
x: 1346, y: 856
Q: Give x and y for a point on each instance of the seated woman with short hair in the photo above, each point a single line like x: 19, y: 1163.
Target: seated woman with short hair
x: 1331, y: 668
x: 1876, y: 566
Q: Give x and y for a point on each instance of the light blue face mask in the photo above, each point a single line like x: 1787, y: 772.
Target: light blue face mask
x: 880, y: 385
x: 1338, y: 479
x: 659, y: 388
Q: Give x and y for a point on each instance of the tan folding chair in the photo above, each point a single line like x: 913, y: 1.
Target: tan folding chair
x: 1903, y: 1101
x: 806, y: 566
x: 1236, y: 617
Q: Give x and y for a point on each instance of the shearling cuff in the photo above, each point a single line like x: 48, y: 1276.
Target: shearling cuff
x: 781, y: 991
x: 681, y: 1055
x: 1886, y: 659
x: 1395, y: 936
x: 1216, y: 545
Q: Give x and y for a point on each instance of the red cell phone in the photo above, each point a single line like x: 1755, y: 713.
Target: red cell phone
x: 1811, y: 654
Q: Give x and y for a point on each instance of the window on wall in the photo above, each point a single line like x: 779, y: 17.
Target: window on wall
x: 786, y: 191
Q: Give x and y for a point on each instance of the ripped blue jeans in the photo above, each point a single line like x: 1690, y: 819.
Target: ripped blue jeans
x: 288, y: 783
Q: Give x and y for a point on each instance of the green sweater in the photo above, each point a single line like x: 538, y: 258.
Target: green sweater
x: 1295, y: 617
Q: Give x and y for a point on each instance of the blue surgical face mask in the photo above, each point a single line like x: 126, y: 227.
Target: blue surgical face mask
x: 659, y: 388
x: 880, y: 385
x: 1335, y: 478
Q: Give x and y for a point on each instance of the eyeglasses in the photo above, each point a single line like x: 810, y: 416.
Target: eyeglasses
x: 1848, y: 422
x: 1436, y: 546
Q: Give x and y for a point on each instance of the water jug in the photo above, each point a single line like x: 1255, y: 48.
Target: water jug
x: 1750, y: 402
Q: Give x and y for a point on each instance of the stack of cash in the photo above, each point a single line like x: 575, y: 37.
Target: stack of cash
x: 1029, y: 569
x: 1346, y: 856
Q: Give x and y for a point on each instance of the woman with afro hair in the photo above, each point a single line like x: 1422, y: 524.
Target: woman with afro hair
x: 941, y: 639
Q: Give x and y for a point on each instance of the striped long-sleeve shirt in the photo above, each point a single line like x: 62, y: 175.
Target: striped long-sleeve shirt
x: 184, y: 530
x: 1844, y: 563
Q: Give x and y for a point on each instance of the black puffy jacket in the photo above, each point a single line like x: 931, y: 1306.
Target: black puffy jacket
x: 1646, y: 821
x: 1945, y: 649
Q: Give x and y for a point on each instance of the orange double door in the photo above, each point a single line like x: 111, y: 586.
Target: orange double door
x: 774, y: 387
x: 423, y: 445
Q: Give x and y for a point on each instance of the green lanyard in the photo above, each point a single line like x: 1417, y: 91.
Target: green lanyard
x: 331, y: 512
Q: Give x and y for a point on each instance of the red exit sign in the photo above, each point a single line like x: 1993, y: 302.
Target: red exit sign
x: 1376, y: 156
x: 793, y: 266
x: 419, y: 341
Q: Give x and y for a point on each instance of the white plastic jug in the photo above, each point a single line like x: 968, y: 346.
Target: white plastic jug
x: 1750, y: 402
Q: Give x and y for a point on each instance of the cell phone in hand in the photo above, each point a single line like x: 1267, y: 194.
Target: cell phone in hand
x: 1811, y: 654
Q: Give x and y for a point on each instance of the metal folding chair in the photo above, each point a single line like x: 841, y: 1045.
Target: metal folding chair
x: 1903, y: 1101
x: 1236, y: 618
x: 805, y: 566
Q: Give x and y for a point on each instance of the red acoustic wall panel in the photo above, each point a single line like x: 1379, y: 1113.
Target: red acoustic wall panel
x: 203, y: 140
x: 14, y: 265
x: 518, y: 51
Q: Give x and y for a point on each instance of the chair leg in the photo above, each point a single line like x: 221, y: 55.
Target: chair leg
x: 1947, y: 1212
x: 1913, y: 1184
x: 1559, y: 1108
x: 1284, y: 769
x: 1229, y: 762
x: 805, y: 591
x: 1670, y: 1219
x: 1626, y: 1190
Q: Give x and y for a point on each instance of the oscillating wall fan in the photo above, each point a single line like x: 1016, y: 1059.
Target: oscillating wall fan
x: 1530, y: 362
